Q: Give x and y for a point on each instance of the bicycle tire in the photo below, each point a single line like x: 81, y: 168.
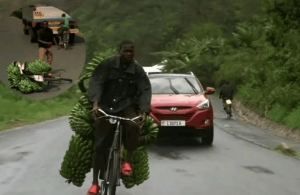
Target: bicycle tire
x: 103, y: 189
x: 66, y: 79
x: 114, y: 165
x: 229, y: 111
x: 113, y: 173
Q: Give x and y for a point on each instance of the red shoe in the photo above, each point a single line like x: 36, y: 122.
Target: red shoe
x: 126, y: 169
x: 94, y: 190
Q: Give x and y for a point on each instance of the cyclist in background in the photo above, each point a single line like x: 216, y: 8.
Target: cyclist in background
x: 64, y: 26
x: 226, y: 92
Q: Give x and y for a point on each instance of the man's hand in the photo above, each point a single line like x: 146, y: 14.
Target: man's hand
x: 143, y: 116
x: 96, y: 110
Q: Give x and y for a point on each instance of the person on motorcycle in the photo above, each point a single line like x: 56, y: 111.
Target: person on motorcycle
x: 118, y: 85
x: 226, y: 92
x: 64, y: 26
x: 45, y: 37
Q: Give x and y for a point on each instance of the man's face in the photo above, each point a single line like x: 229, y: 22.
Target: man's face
x: 127, y: 52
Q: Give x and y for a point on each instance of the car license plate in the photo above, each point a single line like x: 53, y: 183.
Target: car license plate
x: 172, y: 123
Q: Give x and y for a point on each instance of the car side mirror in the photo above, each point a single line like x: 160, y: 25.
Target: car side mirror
x: 209, y: 91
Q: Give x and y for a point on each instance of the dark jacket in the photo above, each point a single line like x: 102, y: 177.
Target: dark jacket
x: 46, y: 35
x: 115, y: 89
x: 226, y: 91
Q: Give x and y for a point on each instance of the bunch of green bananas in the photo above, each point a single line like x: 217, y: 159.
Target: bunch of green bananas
x: 82, y: 123
x: 22, y: 82
x: 28, y: 86
x: 77, y: 161
x: 140, y: 167
x: 80, y: 119
x: 38, y: 67
x: 148, y: 132
x: 14, y: 75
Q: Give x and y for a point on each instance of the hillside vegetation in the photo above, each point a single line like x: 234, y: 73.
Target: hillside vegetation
x: 261, y: 59
x: 153, y: 24
x: 249, y: 42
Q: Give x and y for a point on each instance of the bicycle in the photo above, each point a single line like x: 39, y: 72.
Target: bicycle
x: 228, y: 107
x: 45, y: 77
x: 112, y: 174
x: 49, y: 78
x: 65, y: 40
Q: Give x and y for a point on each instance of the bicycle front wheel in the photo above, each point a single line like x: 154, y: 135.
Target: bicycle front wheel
x: 113, y: 172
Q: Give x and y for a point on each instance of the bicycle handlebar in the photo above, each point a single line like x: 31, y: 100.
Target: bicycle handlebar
x: 117, y: 117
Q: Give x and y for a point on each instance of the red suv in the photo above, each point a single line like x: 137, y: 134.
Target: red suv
x: 180, y: 106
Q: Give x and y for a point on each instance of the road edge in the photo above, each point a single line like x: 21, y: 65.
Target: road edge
x: 34, y: 124
x: 246, y: 114
x: 256, y: 143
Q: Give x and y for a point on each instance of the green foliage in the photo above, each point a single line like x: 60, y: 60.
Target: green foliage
x: 202, y: 56
x: 217, y: 40
x: 153, y: 24
x: 260, y: 57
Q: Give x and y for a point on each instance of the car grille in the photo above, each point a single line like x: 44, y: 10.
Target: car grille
x: 173, y: 116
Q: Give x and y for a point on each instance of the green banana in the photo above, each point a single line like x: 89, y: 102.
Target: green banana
x: 22, y: 82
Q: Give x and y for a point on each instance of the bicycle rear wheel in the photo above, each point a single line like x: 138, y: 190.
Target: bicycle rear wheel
x: 229, y: 111
x: 109, y: 185
x: 113, y: 172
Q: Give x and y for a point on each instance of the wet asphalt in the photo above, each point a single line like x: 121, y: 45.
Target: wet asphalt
x: 30, y: 159
x: 14, y: 45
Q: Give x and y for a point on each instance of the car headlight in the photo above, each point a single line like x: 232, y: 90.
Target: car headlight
x: 204, y: 105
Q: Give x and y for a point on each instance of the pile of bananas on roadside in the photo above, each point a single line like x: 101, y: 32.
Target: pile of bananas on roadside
x: 22, y: 81
x: 78, y: 160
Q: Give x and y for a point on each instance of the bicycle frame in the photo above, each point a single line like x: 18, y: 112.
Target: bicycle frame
x: 117, y: 141
x: 65, y: 39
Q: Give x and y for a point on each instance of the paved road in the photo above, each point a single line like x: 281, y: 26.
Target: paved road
x: 30, y: 159
x: 16, y: 46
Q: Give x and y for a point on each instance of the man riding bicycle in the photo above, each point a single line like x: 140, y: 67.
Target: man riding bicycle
x: 118, y: 85
x: 226, y: 93
x: 64, y: 26
x: 45, y: 38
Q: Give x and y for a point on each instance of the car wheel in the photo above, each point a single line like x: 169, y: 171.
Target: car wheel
x: 209, y: 138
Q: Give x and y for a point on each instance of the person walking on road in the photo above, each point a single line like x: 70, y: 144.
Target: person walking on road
x: 45, y: 38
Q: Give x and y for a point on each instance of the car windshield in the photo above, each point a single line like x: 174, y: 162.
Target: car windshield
x: 174, y: 85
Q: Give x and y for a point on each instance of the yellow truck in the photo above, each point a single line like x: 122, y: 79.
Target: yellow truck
x: 34, y: 15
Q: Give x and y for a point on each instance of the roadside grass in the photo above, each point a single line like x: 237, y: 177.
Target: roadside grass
x: 16, y: 111
x: 284, y: 149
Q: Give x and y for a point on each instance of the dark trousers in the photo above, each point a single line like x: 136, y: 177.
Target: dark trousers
x: 104, y: 135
